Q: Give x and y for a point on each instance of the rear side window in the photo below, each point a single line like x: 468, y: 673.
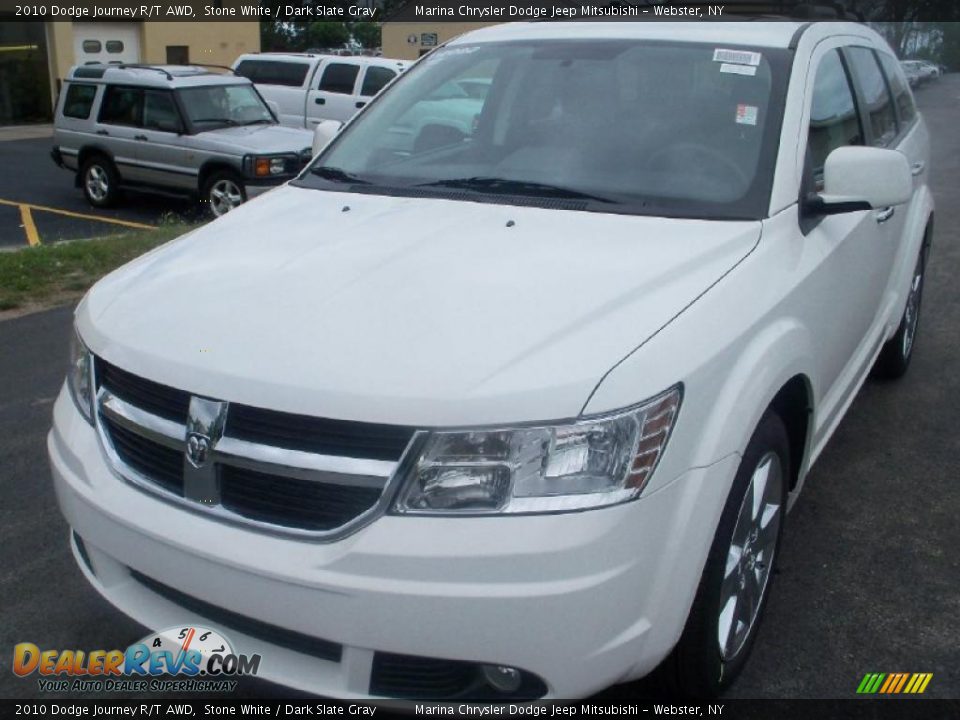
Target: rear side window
x: 122, y: 106
x: 375, y: 79
x: 906, y: 110
x: 878, y: 105
x: 339, y: 78
x: 833, y: 114
x: 271, y: 72
x: 79, y: 100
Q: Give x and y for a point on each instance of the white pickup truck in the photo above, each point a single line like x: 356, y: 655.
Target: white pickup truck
x: 309, y: 88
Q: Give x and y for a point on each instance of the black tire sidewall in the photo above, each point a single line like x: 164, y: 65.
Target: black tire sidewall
x: 112, y: 178
x: 700, y: 669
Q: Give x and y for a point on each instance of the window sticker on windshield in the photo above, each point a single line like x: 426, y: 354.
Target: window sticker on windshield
x: 737, y: 57
x: 738, y: 69
x: 746, y: 114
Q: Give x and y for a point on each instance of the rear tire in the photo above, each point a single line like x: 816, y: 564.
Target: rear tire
x: 728, y: 607
x: 100, y: 181
x: 894, y: 358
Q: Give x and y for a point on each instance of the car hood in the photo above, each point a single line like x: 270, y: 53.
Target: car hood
x: 429, y: 312
x: 262, y: 139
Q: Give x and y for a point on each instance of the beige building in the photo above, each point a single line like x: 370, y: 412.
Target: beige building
x: 410, y: 40
x: 35, y: 57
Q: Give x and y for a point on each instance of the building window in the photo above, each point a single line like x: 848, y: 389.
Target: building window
x: 114, y: 46
x: 92, y: 46
x: 178, y: 55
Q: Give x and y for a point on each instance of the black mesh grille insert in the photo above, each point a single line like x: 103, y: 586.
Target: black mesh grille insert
x: 167, y: 402
x: 157, y: 462
x: 319, y: 435
x: 290, y: 639
x: 421, y: 678
x: 303, y: 504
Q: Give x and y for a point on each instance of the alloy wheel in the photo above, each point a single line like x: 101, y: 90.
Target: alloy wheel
x: 98, y: 183
x: 750, y: 556
x: 225, y: 195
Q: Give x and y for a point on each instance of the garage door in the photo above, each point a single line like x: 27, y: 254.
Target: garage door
x: 106, y: 43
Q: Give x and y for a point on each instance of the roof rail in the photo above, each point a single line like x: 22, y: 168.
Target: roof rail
x: 138, y: 66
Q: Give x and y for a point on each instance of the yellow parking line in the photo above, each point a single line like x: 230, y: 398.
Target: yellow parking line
x: 28, y: 226
x: 82, y: 216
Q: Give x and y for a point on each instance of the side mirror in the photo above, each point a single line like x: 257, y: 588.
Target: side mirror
x: 323, y: 133
x: 274, y: 108
x: 863, y: 178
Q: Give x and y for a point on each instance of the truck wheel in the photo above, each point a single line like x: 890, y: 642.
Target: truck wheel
x: 100, y: 181
x: 730, y: 600
x: 222, y: 192
x: 894, y: 357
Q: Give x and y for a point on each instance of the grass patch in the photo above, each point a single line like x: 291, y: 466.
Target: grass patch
x: 54, y: 274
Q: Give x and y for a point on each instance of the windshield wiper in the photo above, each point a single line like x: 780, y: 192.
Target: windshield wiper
x: 337, y: 175
x: 228, y: 121
x: 515, y: 187
x: 261, y: 121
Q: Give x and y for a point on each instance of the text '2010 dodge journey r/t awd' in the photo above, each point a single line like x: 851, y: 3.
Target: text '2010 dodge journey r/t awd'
x: 512, y: 408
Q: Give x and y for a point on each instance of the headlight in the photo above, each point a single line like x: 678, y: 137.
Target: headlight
x: 589, y: 463
x: 271, y: 166
x: 80, y: 377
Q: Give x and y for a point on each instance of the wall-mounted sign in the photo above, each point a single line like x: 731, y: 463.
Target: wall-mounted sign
x: 428, y: 39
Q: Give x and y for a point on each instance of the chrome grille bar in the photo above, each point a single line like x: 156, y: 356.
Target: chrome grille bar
x: 223, y: 450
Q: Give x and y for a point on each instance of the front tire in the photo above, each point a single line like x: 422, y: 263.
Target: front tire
x: 728, y: 607
x: 100, y: 181
x: 222, y: 192
x: 894, y: 358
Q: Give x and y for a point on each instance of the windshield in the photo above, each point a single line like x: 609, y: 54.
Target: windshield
x: 212, y: 106
x: 677, y: 129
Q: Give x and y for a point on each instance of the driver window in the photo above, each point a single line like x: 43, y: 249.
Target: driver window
x: 160, y: 112
x: 833, y: 115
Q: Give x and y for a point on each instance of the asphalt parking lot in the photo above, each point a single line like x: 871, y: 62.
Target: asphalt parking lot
x: 58, y: 210
x: 869, y: 579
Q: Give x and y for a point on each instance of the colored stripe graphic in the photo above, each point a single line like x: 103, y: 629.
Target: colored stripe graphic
x: 894, y: 683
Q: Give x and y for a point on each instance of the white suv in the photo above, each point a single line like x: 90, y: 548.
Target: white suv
x: 511, y: 409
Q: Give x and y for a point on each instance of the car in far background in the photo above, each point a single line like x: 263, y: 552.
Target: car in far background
x: 172, y: 128
x: 919, y: 72
x: 310, y: 88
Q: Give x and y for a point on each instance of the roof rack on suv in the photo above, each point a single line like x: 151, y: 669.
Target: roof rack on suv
x: 139, y: 66
x: 210, y: 65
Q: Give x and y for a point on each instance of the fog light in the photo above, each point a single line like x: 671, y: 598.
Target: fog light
x: 503, y: 678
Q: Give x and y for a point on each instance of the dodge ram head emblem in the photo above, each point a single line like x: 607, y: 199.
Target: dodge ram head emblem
x: 198, y: 448
x: 205, y: 422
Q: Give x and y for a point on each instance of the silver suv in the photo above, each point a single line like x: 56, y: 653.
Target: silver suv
x: 179, y: 129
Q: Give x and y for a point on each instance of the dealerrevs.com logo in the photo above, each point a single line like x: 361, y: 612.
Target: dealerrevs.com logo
x: 202, y: 660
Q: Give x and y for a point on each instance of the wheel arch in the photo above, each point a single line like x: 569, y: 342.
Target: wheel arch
x: 213, y: 166
x: 88, y: 151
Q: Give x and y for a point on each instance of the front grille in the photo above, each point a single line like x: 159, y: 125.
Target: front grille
x: 154, y: 461
x: 167, y: 402
x: 298, y: 642
x: 305, y: 473
x: 318, y: 435
x: 305, y: 504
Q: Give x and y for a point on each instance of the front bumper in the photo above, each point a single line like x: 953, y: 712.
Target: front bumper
x: 581, y: 600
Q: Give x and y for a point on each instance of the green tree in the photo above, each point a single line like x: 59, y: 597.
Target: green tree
x: 327, y: 35
x: 366, y: 33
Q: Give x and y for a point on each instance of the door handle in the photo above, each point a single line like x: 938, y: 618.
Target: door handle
x: 140, y: 137
x: 102, y: 132
x: 361, y: 103
x: 918, y: 167
x: 885, y: 214
x: 320, y: 101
